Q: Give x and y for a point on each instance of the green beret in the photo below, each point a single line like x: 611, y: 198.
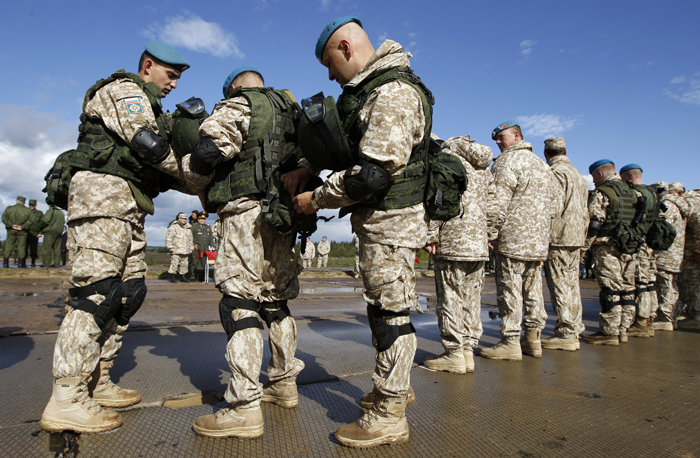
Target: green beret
x: 167, y: 54
x: 329, y: 30
x: 501, y: 127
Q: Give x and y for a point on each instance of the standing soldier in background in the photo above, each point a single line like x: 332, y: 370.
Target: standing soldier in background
x: 52, y: 226
x: 564, y: 259
x: 324, y: 247
x: 611, y: 209
x: 527, y: 198
x: 64, y: 246
x: 216, y: 233
x: 356, y: 247
x: 178, y: 241
x: 307, y: 257
x: 16, y: 218
x: 690, y: 270
x: 460, y: 248
x: 668, y: 262
x: 33, y: 232
x: 203, y: 241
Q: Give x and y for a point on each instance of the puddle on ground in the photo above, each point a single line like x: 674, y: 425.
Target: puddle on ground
x: 18, y: 294
x: 330, y: 290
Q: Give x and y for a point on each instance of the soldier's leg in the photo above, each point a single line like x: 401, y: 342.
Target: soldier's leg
x: 644, y: 279
x: 184, y: 265
x: 449, y: 305
x: 32, y: 247
x: 22, y: 246
x: 46, y: 250
x: 56, y: 254
x: 607, y: 269
x: 561, y: 271
x: 10, y: 243
x: 628, y: 269
x: 667, y: 296
x: 691, y: 278
x: 534, y: 316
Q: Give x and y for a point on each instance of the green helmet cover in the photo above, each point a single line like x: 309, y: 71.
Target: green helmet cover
x: 324, y: 142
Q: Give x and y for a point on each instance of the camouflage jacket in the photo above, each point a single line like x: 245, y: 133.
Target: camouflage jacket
x: 528, y: 198
x: 670, y: 260
x: 465, y: 238
x: 179, y: 238
x: 569, y: 227
x: 53, y: 221
x: 16, y: 215
x: 323, y: 248
x: 310, y: 251
x: 393, y: 123
x: 692, y: 231
x: 34, y: 223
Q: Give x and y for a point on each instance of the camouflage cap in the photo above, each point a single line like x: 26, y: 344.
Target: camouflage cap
x: 329, y: 30
x: 181, y: 215
x: 167, y: 54
x: 555, y: 144
x: 676, y: 186
x: 32, y: 201
x: 629, y: 167
x: 232, y: 76
x: 660, y: 186
x: 501, y: 127
x: 597, y: 164
x: 21, y: 199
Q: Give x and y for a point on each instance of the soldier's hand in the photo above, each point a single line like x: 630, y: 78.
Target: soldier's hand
x: 295, y: 181
x: 302, y: 203
x: 431, y: 248
x: 16, y: 227
x: 493, y: 244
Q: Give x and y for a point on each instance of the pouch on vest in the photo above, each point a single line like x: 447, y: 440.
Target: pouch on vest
x: 58, y: 180
x: 628, y: 238
x: 447, y: 181
x: 661, y: 235
x: 278, y: 210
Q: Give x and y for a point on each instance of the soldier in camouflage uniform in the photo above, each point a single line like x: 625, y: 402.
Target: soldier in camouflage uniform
x: 390, y: 126
x: 203, y: 241
x: 614, y: 270
x: 460, y: 249
x: 52, y: 224
x: 16, y: 218
x: 668, y: 262
x: 690, y: 270
x: 528, y: 198
x: 323, y: 247
x: 307, y: 257
x: 356, y: 250
x: 123, y: 159
x: 179, y: 241
x: 564, y: 258
x: 256, y: 269
x: 33, y: 232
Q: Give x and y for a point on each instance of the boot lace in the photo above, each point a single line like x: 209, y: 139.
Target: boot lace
x: 83, y: 397
x: 107, y: 381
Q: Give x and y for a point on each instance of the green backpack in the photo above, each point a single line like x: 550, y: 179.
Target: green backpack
x: 58, y: 180
x: 661, y: 235
x: 447, y: 181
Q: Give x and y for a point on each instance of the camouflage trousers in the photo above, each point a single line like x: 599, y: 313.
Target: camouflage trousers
x: 16, y: 240
x: 615, y: 271
x: 390, y: 285
x: 561, y: 271
x: 51, y: 250
x: 322, y: 261
x: 519, y: 295
x: 690, y: 286
x: 256, y: 262
x: 307, y: 262
x: 178, y: 263
x: 667, y: 295
x: 645, y: 277
x: 356, y: 269
x: 105, y: 247
x: 458, y: 285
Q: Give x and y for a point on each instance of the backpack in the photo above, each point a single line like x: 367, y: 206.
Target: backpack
x: 58, y: 180
x: 446, y: 182
x: 628, y: 238
x: 661, y: 235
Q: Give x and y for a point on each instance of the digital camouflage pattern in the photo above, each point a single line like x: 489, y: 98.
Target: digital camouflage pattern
x: 645, y: 275
x: 570, y: 224
x: 323, y: 249
x: 519, y: 295
x: 179, y: 238
x: 667, y: 292
x: 528, y: 199
x: 16, y: 215
x: 677, y: 212
x: 690, y: 270
x: 561, y: 271
x: 308, y: 255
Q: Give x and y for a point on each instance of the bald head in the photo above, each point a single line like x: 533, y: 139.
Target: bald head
x: 347, y: 51
x: 632, y: 175
x: 603, y: 171
x: 248, y: 79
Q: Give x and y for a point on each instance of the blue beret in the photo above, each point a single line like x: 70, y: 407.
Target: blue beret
x: 330, y: 30
x: 501, y: 127
x: 629, y: 167
x: 232, y: 76
x: 167, y: 54
x: 597, y: 164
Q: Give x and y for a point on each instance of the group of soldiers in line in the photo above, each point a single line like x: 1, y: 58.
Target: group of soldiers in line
x: 323, y: 248
x: 188, y: 242
x: 25, y: 226
x: 518, y: 207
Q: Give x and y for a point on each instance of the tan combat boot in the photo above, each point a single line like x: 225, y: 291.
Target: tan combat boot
x: 282, y: 392
x: 469, y: 359
x: 384, y: 423
x: 452, y: 362
x: 531, y: 344
x: 232, y: 421
x: 70, y: 408
x: 662, y: 326
x: 367, y: 400
x: 638, y: 329
x: 650, y: 327
x: 601, y: 339
x: 106, y: 393
x: 623, y: 336
x: 507, y: 349
x: 560, y: 343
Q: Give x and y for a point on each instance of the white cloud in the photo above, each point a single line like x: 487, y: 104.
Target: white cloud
x: 194, y: 33
x: 678, y: 80
x: 526, y: 48
x: 412, y: 35
x: 325, y: 4
x: 382, y: 38
x: 545, y: 125
x: 589, y: 181
x: 687, y: 90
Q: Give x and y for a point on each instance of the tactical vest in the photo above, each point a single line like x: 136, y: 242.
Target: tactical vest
x: 622, y: 205
x: 271, y: 137
x: 102, y: 151
x: 651, y: 206
x: 409, y: 188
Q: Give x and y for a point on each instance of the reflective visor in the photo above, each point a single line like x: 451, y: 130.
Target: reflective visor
x: 314, y: 108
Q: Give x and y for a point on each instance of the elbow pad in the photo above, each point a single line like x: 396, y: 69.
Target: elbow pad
x: 593, y: 228
x: 205, y: 156
x: 371, y: 179
x: 150, y: 146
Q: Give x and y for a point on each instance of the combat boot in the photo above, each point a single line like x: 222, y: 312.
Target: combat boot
x: 384, y: 423
x: 623, y: 336
x: 70, y: 408
x: 33, y: 262
x: 531, y: 344
x: 561, y: 343
x: 22, y: 263
x: 106, y: 393
x: 184, y: 279
x: 690, y: 323
x: 173, y: 278
x: 452, y: 362
x: 367, y: 399
x: 507, y: 349
x: 6, y: 263
x: 662, y: 325
x: 282, y: 392
x: 469, y: 359
x: 601, y: 339
x: 231, y: 421
x: 638, y: 329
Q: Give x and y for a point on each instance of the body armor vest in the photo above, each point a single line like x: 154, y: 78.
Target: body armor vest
x: 102, y: 151
x: 651, y: 206
x: 271, y: 137
x: 409, y: 188
x: 622, y: 206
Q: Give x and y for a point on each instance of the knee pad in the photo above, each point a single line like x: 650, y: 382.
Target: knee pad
x: 386, y: 334
x: 606, y: 302
x: 113, y: 291
x: 281, y: 313
x: 227, y: 305
x: 134, y: 294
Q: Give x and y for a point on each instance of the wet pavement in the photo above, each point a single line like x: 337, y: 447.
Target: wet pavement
x: 639, y: 399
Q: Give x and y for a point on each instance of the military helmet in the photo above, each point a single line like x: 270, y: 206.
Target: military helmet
x: 321, y: 137
x: 186, y: 120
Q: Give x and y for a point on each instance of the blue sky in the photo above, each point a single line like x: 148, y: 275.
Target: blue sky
x: 617, y: 79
